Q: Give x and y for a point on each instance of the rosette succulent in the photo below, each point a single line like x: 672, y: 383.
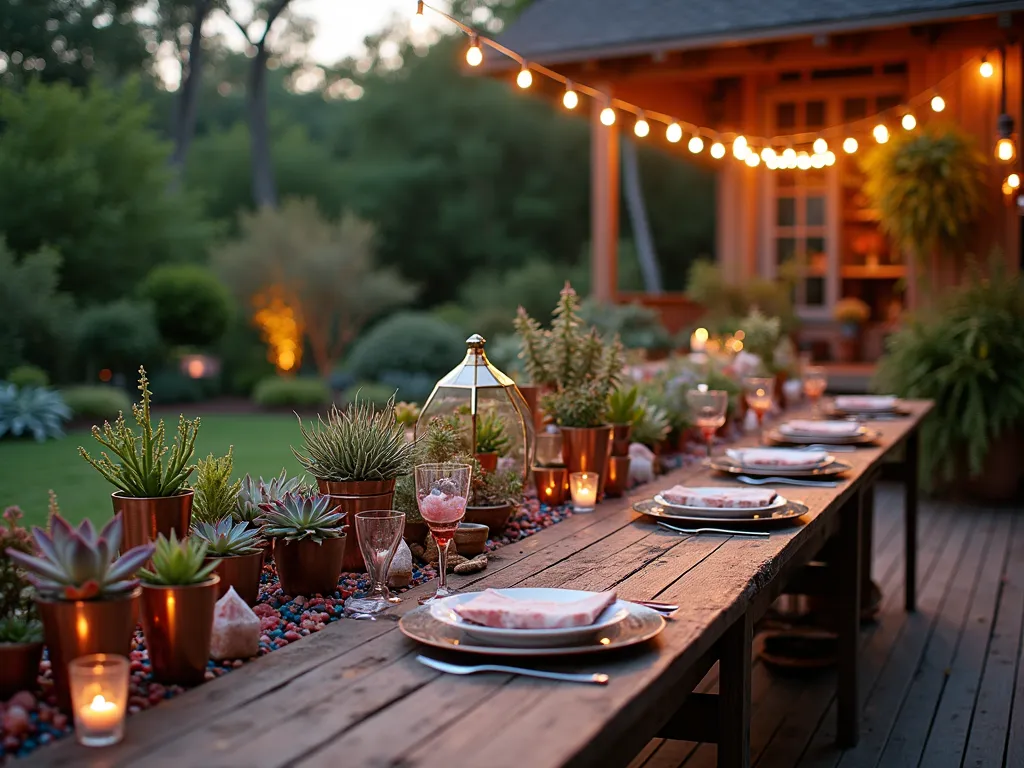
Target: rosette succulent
x: 297, y: 517
x: 178, y: 563
x: 80, y: 564
x: 226, y: 538
x: 254, y: 492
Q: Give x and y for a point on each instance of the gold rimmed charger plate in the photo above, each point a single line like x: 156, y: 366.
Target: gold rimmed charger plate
x: 864, y: 437
x: 791, y: 511
x: 879, y: 415
x: 642, y: 624
x: 733, y: 467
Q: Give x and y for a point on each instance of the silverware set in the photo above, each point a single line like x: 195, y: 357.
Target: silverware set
x: 596, y: 678
x: 787, y: 481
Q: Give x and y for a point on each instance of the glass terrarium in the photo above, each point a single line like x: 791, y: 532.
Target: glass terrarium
x: 488, y: 407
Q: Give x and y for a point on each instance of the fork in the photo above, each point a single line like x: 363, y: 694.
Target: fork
x: 696, y: 531
x: 787, y: 481
x: 596, y: 678
x: 825, y: 447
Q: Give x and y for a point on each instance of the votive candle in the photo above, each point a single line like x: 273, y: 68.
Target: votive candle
x: 583, y: 486
x: 550, y: 482
x: 99, y: 698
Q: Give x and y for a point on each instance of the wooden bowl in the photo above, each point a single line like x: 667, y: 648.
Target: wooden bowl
x: 471, y: 539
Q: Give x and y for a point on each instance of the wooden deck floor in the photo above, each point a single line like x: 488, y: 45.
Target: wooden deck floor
x: 942, y: 687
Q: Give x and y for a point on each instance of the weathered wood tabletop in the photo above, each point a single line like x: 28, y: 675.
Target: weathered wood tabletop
x: 353, y: 694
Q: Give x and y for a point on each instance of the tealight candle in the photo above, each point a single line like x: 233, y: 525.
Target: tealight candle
x: 99, y: 698
x: 583, y: 486
x: 551, y: 484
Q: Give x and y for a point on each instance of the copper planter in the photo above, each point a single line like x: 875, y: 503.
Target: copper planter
x: 178, y: 624
x: 307, y: 568
x: 19, y: 667
x: 586, y: 449
x: 488, y: 461
x: 241, y: 572
x: 620, y: 439
x: 532, y: 394
x: 352, y: 497
x: 618, y: 476
x: 146, y: 517
x: 551, y: 484
x: 495, y: 517
x: 73, y: 628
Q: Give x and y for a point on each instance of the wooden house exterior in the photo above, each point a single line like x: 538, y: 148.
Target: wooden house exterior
x: 781, y: 67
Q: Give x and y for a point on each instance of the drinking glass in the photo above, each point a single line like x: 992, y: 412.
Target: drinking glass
x: 378, y: 531
x: 759, y: 392
x: 441, y: 494
x: 709, y: 407
x: 815, y: 383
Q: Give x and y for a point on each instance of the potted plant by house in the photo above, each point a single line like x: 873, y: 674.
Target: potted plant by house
x: 86, y: 595
x: 309, y: 535
x: 356, y: 455
x: 851, y: 313
x: 491, y: 440
x: 179, y: 592
x: 21, y: 633
x: 254, y: 492
x: 151, y: 478
x: 236, y: 551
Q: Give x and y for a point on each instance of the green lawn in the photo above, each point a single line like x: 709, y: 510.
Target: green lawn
x: 29, y: 469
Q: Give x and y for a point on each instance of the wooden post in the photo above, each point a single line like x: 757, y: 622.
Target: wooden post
x: 604, y: 206
x: 734, y: 694
x: 848, y: 606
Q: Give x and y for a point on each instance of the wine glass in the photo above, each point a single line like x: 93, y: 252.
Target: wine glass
x: 759, y: 392
x: 815, y: 383
x: 378, y: 532
x: 442, y: 491
x: 708, y: 406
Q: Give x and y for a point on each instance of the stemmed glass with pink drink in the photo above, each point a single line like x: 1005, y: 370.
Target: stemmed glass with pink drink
x: 760, y: 393
x: 442, y: 491
x: 708, y: 407
x: 815, y: 384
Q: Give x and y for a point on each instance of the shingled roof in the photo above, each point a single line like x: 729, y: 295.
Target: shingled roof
x: 568, y: 30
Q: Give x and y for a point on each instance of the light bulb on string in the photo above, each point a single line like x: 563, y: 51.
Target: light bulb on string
x: 474, y: 54
x: 525, y: 77
x: 881, y: 133
x: 1005, y: 150
x: 818, y: 160
x: 696, y: 144
x: 740, y: 150
x: 789, y: 157
x: 772, y: 162
x: 820, y: 146
x: 718, y: 150
x: 571, y: 99
x: 674, y: 133
x: 986, y: 69
x: 608, y: 116
x: 830, y: 158
x: 938, y: 103
x: 419, y: 21
x: 641, y: 128
x: 752, y: 158
x: 768, y: 154
x: 850, y: 145
x: 909, y: 122
x: 803, y: 161
x: 1013, y: 181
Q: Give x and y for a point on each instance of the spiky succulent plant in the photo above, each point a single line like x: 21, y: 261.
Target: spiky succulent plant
x: 358, y: 443
x: 226, y: 538
x: 254, y: 492
x: 79, y: 564
x: 297, y: 517
x: 178, y: 563
x: 216, y: 496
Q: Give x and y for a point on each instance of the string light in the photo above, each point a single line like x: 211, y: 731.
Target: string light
x: 525, y: 78
x: 850, y: 145
x: 641, y: 128
x: 881, y: 133
x: 803, y: 161
x: 752, y: 159
x: 696, y: 144
x: 789, y: 157
x: 474, y: 54
x: 818, y: 160
x: 740, y: 150
x: 674, y: 133
x: 820, y: 146
x: 419, y: 21
x: 909, y: 122
x: 986, y: 69
x: 570, y: 100
x: 767, y: 154
x: 1013, y: 181
x: 830, y: 158
x: 718, y: 150
x: 938, y: 103
x: 608, y: 116
x: 1005, y: 150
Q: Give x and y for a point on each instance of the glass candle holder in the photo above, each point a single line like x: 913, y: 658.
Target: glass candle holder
x: 99, y: 698
x: 583, y: 487
x: 551, y: 482
x: 549, y: 449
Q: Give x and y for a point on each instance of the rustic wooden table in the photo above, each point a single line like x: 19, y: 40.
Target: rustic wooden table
x: 353, y: 695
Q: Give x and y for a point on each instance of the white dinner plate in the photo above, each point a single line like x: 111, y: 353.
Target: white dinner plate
x: 723, y: 513
x: 442, y: 610
x: 737, y: 455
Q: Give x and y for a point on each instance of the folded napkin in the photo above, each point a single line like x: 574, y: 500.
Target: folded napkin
x: 785, y: 458
x: 717, y: 498
x: 824, y: 428
x: 493, y: 609
x: 866, y: 402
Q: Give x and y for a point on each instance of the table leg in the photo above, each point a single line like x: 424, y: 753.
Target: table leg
x: 848, y: 604
x: 734, y: 695
x: 910, y: 468
x: 867, y: 529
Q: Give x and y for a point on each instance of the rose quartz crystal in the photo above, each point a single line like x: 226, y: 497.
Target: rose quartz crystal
x: 439, y: 508
x: 236, y: 629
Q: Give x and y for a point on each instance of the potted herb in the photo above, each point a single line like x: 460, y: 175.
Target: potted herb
x: 851, y: 313
x: 179, y: 592
x: 309, y: 549
x: 237, y: 552
x: 491, y: 440
x: 21, y: 634
x: 85, y: 595
x: 152, y: 496
x: 356, y: 455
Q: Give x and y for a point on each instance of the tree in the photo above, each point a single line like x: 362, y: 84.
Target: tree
x: 322, y: 273
x: 83, y: 174
x: 191, y: 306
x: 119, y: 335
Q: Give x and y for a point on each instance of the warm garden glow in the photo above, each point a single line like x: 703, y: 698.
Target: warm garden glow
x: 608, y: 116
x: 909, y: 122
x: 789, y: 158
x: 571, y: 99
x: 850, y: 145
x: 696, y: 144
x: 830, y: 158
x: 718, y: 150
x: 803, y: 161
x: 817, y: 160
x: 986, y: 70
x: 674, y: 133
x: 740, y: 150
x: 768, y: 155
x: 1013, y: 181
x: 474, y: 54
x: 938, y: 103
x: 1005, y: 150
x: 881, y: 133
x: 641, y: 128
x: 752, y: 159
x: 820, y: 146
x: 281, y: 328
x: 525, y: 77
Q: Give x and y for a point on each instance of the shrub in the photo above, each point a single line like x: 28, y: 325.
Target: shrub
x: 119, y: 335
x: 171, y: 387
x: 279, y: 392
x: 638, y: 327
x: 98, y: 402
x: 31, y: 410
x: 407, y: 343
x: 191, y: 306
x: 27, y: 376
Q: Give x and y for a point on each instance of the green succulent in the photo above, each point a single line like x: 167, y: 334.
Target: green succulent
x: 216, y: 496
x: 226, y: 538
x: 585, y: 405
x: 297, y: 517
x: 178, y: 563
x: 32, y: 411
x: 79, y: 564
x: 142, y: 471
x: 653, y: 426
x: 624, y: 406
x: 252, y: 493
x: 490, y: 434
x: 407, y: 414
x: 18, y: 629
x: 358, y: 443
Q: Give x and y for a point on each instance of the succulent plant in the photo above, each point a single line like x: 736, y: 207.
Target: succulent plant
x: 358, y: 443
x: 15, y: 597
x: 19, y: 629
x: 490, y: 434
x: 142, y: 471
x: 216, y: 496
x: 297, y: 517
x: 624, y: 406
x: 178, y: 562
x: 32, y: 410
x: 79, y: 564
x: 252, y: 493
x: 226, y: 538
x: 406, y: 414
